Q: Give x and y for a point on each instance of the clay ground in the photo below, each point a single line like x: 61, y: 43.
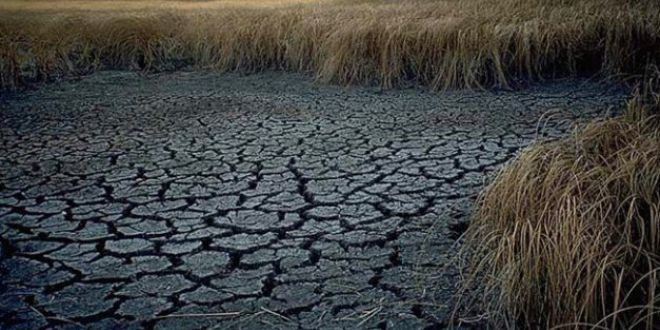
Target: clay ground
x: 125, y: 200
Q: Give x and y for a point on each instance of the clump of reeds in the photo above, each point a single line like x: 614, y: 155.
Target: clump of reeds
x: 568, y: 234
x: 441, y: 44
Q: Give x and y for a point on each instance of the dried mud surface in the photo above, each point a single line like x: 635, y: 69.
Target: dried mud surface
x: 125, y: 200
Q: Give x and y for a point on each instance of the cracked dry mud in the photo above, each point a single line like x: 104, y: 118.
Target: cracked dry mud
x: 124, y: 199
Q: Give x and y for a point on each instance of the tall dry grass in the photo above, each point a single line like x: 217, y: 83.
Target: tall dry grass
x: 568, y: 234
x: 442, y: 43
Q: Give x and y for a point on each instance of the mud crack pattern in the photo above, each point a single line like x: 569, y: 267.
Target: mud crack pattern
x: 125, y: 200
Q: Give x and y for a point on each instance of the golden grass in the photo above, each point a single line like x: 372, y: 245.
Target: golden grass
x: 568, y: 234
x: 442, y: 43
x: 140, y: 7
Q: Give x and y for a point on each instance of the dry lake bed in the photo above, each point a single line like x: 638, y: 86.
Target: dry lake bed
x: 198, y: 200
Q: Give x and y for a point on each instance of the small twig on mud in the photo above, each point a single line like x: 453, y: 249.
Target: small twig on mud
x: 474, y: 319
x: 347, y: 317
x: 322, y: 316
x: 253, y: 315
x: 369, y: 314
x: 275, y: 313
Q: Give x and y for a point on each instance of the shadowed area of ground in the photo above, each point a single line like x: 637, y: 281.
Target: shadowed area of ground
x: 126, y: 199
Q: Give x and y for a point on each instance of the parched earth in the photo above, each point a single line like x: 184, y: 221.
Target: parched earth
x: 195, y: 200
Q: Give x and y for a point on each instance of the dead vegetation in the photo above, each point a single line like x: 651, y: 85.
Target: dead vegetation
x: 468, y: 43
x: 568, y: 235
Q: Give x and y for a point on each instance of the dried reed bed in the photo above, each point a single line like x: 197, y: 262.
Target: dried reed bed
x: 568, y: 234
x: 468, y: 43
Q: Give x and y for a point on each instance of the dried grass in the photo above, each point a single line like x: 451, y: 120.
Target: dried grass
x: 568, y: 234
x: 441, y: 44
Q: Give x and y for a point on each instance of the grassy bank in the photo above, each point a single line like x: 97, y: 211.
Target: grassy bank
x: 468, y: 43
x: 567, y: 236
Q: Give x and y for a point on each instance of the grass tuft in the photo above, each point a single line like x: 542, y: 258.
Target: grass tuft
x: 568, y: 234
x: 441, y: 44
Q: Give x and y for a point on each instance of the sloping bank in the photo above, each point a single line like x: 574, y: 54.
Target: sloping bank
x: 441, y: 44
x: 568, y: 234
